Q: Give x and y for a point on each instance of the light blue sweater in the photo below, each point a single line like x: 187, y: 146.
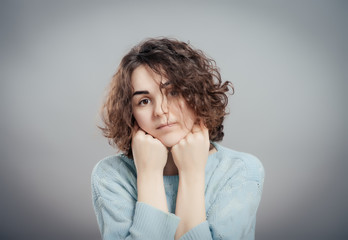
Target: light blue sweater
x: 233, y: 187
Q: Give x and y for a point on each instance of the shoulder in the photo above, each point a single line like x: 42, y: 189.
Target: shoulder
x: 239, y: 164
x: 113, y: 173
x: 111, y: 165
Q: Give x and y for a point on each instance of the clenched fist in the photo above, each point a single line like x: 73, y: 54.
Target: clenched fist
x: 191, y: 153
x: 149, y: 154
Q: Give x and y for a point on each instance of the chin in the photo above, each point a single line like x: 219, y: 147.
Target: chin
x: 169, y: 144
x: 171, y: 141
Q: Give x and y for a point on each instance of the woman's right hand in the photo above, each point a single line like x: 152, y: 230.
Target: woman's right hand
x: 150, y: 155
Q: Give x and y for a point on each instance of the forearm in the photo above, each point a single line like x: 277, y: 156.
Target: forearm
x: 190, y: 204
x: 151, y: 190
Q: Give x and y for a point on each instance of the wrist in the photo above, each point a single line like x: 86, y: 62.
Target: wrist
x: 192, y: 182
x: 149, y: 177
x: 151, y: 190
x: 192, y: 175
x: 150, y: 172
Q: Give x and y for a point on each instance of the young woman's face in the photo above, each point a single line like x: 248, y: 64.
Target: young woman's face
x: 164, y: 115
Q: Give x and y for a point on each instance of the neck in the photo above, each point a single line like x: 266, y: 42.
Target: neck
x: 170, y: 169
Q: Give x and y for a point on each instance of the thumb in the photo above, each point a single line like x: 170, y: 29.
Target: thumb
x: 204, y: 129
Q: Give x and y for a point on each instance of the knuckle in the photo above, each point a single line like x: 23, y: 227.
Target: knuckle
x: 183, y: 142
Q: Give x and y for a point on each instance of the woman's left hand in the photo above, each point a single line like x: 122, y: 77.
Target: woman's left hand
x: 190, y: 157
x: 190, y: 154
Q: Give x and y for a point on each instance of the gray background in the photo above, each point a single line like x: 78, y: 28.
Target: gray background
x: 287, y: 60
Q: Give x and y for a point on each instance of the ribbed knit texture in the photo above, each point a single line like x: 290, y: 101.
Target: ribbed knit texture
x: 233, y: 188
x: 201, y: 232
x: 146, y: 217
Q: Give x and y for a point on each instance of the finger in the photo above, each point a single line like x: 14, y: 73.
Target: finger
x: 181, y: 142
x: 196, y: 128
x: 204, y: 129
x: 137, y: 130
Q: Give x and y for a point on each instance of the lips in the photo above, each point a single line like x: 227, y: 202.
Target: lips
x: 165, y: 125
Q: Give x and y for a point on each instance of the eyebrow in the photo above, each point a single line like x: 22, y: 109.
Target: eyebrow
x: 140, y: 92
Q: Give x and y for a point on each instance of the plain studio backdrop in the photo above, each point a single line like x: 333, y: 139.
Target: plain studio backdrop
x: 288, y: 63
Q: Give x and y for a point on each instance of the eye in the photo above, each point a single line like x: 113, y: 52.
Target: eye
x: 173, y: 93
x: 144, y: 101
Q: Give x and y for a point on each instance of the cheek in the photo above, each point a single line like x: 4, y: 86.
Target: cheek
x: 190, y: 119
x: 187, y: 115
x: 142, y: 119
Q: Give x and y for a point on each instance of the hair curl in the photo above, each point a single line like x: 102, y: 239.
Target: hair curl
x: 190, y: 72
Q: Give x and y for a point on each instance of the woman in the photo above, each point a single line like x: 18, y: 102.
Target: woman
x: 164, y: 111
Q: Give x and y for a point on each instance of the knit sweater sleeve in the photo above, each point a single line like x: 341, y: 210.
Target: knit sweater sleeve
x: 119, y: 214
x: 232, y: 214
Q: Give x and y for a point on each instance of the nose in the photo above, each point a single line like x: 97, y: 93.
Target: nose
x: 161, y: 106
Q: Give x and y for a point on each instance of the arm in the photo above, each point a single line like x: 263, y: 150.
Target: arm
x: 233, y: 214
x: 233, y: 194
x: 133, y: 205
x: 190, y: 156
x: 119, y: 215
x: 190, y: 205
x: 150, y: 157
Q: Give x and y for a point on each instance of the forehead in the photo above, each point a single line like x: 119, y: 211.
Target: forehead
x: 143, y: 78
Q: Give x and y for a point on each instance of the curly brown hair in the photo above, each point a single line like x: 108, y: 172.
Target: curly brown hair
x: 190, y: 72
